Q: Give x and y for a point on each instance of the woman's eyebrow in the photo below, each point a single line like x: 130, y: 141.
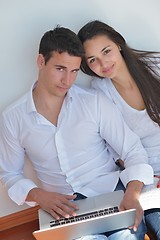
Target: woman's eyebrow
x: 105, y: 48
x: 90, y: 57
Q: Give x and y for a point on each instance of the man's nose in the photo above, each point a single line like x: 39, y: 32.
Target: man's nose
x: 66, y: 79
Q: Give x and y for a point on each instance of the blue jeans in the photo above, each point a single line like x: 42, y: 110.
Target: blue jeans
x: 119, y: 234
x: 127, y: 234
x: 152, y: 218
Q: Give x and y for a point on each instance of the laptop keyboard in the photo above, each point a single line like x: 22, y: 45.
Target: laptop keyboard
x: 84, y: 216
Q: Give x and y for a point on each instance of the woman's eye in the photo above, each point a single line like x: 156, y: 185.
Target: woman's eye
x: 92, y: 61
x: 106, y: 51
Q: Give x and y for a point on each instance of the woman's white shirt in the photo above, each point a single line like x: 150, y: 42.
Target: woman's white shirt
x: 138, y: 121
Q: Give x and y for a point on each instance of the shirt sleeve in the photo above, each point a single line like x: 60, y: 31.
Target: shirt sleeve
x: 12, y: 162
x: 124, y: 141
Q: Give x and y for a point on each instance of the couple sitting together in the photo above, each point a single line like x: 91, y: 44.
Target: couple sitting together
x: 89, y: 141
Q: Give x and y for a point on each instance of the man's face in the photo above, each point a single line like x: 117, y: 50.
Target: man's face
x: 59, y: 73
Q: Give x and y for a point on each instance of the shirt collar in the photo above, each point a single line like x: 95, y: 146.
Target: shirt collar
x: 69, y: 97
x: 31, y: 106
x: 30, y: 103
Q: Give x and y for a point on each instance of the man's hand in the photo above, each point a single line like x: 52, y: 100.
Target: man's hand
x: 131, y: 200
x: 57, y: 204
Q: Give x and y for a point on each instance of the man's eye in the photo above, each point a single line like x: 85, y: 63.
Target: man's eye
x: 75, y: 71
x: 60, y: 69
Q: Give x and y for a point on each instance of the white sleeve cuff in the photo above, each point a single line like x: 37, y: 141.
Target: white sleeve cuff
x: 19, y: 191
x: 141, y: 172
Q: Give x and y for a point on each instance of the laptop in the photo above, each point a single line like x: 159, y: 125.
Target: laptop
x: 95, y: 215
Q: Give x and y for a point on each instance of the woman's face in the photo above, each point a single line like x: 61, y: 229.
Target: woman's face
x: 103, y: 56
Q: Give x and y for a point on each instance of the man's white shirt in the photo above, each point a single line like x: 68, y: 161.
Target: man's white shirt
x: 73, y: 156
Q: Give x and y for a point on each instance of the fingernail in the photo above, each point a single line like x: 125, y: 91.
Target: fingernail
x: 135, y: 229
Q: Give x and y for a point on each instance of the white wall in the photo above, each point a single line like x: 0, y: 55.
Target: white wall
x: 22, y: 24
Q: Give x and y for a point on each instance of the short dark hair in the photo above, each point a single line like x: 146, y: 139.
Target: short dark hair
x: 60, y: 40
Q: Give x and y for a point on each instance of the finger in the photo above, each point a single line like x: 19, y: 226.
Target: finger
x: 68, y: 209
x: 58, y: 213
x: 54, y: 214
x: 135, y: 226
x: 130, y: 227
x: 139, y: 217
x: 71, y: 205
x: 137, y: 222
x: 63, y: 211
x: 121, y: 208
x: 70, y: 197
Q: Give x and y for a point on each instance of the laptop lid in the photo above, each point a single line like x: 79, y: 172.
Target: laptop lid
x: 95, y: 215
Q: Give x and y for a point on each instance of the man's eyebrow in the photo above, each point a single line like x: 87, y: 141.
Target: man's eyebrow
x: 76, y: 69
x: 60, y: 66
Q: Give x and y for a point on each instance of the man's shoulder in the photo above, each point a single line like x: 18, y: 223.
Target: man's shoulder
x: 16, y: 105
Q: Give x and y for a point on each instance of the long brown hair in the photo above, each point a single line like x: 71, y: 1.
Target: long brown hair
x: 142, y: 65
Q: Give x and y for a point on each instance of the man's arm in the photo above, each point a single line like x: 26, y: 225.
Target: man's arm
x: 12, y: 162
x: 21, y: 189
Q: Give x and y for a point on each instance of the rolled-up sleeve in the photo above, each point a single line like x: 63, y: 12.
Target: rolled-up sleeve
x: 125, y: 142
x: 141, y: 172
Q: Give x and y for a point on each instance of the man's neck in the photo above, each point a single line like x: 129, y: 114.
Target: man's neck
x: 48, y: 106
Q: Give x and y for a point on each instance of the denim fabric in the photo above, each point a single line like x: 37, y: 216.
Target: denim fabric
x: 125, y: 234
x: 128, y: 234
x: 93, y: 237
x: 153, y: 221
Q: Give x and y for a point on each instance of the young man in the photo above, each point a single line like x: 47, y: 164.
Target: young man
x: 66, y: 132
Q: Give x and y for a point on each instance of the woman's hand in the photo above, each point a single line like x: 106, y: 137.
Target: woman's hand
x: 131, y: 201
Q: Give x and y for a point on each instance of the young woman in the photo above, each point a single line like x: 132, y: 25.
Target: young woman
x: 131, y: 79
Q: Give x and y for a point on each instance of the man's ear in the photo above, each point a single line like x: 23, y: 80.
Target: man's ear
x: 40, y: 61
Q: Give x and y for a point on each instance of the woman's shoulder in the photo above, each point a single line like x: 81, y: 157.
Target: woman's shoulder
x: 100, y: 83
